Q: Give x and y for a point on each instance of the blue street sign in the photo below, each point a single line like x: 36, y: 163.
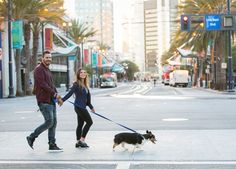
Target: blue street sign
x: 212, y: 22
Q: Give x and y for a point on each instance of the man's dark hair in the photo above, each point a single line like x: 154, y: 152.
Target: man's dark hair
x: 46, y: 52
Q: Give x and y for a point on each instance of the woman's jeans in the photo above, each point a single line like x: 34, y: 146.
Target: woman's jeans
x: 50, y: 122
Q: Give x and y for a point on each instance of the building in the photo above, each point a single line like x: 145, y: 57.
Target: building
x: 99, y: 15
x: 150, y: 35
x: 131, y: 31
x: 159, y: 28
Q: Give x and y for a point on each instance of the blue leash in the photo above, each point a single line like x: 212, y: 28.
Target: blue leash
x: 110, y: 120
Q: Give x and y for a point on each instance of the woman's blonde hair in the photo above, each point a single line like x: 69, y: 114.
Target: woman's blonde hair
x: 79, y: 80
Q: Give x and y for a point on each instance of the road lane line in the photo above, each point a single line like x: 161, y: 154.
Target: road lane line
x: 123, y: 163
x: 24, y: 112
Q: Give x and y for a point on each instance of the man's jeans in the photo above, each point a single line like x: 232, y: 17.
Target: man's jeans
x: 50, y: 122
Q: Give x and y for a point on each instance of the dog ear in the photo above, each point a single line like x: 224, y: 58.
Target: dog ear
x: 147, y: 131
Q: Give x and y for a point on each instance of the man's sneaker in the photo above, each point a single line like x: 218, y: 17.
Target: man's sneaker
x: 53, y: 147
x: 81, y: 144
x: 30, y: 141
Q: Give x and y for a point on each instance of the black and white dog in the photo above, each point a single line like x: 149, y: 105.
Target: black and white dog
x: 135, y: 139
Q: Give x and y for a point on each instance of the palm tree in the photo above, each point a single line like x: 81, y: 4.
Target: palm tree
x: 39, y: 10
x: 18, y: 12
x: 199, y: 40
x: 48, y: 13
x: 31, y: 11
x: 79, y: 32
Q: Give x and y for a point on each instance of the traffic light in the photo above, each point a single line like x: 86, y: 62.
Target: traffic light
x: 185, y: 23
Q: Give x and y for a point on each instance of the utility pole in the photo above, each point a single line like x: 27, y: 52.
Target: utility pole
x: 230, y: 66
x: 11, y: 89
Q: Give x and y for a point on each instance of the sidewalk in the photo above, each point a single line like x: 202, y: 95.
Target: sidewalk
x: 172, y: 145
x: 232, y: 93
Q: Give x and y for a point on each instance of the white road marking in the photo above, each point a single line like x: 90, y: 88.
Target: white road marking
x: 152, y: 97
x: 124, y: 163
x: 175, y: 119
x: 24, y: 112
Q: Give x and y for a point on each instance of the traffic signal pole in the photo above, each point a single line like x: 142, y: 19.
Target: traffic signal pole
x: 230, y: 66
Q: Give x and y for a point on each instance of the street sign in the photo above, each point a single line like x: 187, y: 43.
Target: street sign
x: 223, y: 65
x: 212, y: 22
x: 197, y: 23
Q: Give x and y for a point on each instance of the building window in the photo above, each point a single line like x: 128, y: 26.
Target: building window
x: 163, y: 3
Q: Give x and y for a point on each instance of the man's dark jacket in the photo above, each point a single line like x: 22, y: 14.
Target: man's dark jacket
x: 44, y: 88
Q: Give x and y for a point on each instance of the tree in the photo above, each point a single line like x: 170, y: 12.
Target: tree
x: 234, y: 58
x: 79, y: 32
x: 130, y: 69
x: 49, y: 12
x: 198, y: 41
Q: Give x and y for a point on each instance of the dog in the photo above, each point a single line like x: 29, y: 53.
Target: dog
x: 135, y: 139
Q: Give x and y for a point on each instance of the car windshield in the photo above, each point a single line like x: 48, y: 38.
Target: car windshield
x: 108, y: 79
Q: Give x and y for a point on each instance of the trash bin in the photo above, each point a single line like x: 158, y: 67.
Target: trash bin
x: 203, y: 83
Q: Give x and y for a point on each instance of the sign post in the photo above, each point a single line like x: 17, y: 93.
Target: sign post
x: 1, y: 88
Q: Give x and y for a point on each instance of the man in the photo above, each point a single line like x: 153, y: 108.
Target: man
x: 46, y: 94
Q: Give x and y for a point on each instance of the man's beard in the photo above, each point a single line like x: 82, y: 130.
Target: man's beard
x: 47, y: 63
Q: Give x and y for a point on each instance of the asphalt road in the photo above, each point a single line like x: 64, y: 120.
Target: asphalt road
x: 158, y: 108
x: 199, y: 120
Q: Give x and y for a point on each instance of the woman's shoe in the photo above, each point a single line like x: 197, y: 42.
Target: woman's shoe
x: 81, y: 144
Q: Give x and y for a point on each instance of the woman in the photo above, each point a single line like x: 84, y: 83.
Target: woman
x: 82, y: 99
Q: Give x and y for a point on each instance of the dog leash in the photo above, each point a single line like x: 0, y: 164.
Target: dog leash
x: 97, y: 114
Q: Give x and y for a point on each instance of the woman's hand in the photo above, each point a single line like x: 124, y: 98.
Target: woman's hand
x: 60, y: 102
x: 92, y: 110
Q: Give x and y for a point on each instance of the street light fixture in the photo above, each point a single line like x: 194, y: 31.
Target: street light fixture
x: 66, y: 26
x: 90, y: 45
x: 81, y: 63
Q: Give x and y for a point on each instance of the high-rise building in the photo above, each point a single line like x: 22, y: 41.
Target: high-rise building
x: 99, y: 15
x: 159, y: 28
x: 150, y: 35
x: 167, y: 13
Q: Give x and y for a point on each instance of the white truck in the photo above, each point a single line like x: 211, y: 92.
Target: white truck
x: 179, y: 78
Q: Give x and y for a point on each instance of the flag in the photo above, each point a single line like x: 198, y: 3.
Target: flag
x: 17, y: 34
x: 94, y: 59
x: 100, y: 60
x: 86, y: 56
x: 48, y: 38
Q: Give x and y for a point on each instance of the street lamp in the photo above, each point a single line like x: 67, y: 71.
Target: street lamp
x: 90, y: 45
x: 125, y: 65
x: 81, y: 63
x: 66, y: 26
x: 11, y: 89
x: 230, y: 69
